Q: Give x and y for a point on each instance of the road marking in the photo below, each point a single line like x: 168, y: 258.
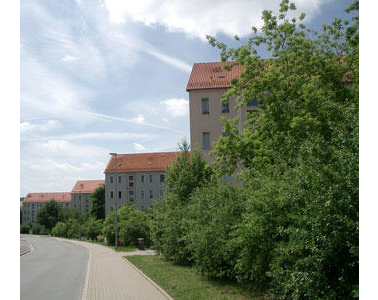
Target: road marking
x: 85, y: 290
x: 30, y: 247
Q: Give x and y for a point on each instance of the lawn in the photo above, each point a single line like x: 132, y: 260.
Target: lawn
x: 185, y: 283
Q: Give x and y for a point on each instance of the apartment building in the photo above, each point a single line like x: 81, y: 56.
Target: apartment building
x: 81, y: 192
x: 138, y: 178
x: 207, y: 83
x: 33, y: 202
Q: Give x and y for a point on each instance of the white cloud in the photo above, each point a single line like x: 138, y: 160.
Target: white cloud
x: 177, y: 107
x: 52, y: 165
x: 197, y: 18
x: 27, y: 127
x: 139, y: 119
x: 69, y: 58
x: 139, y: 147
x: 141, y: 46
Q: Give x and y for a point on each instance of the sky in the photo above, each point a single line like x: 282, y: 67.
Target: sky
x: 110, y: 76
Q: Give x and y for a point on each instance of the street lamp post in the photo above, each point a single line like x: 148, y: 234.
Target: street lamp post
x: 116, y: 202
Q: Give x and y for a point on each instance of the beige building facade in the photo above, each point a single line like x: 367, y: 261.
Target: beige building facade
x: 139, y: 179
x: 206, y: 86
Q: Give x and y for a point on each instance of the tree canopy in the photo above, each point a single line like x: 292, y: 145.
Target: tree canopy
x: 50, y: 214
x: 98, y: 203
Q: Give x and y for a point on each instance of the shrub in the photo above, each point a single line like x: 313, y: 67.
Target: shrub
x: 24, y: 228
x: 60, y: 229
x: 213, y: 214
x: 133, y: 224
x: 92, y: 228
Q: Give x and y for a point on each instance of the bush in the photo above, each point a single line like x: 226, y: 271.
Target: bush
x: 60, y: 230
x: 25, y: 228
x: 91, y: 228
x: 133, y: 224
x: 214, y: 213
x: 39, y: 229
x: 108, y: 230
x: 168, y: 228
x: 72, y: 227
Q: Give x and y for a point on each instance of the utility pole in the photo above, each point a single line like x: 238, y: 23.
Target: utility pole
x: 116, y: 200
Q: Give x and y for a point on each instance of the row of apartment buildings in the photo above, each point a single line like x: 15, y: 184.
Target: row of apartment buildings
x: 140, y: 178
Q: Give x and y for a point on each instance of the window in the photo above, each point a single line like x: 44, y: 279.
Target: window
x: 131, y: 181
x: 111, y: 179
x: 206, y: 140
x: 162, y: 177
x: 252, y: 105
x: 205, y: 106
x: 161, y: 193
x: 142, y: 194
x: 111, y: 195
x: 131, y: 195
x: 151, y: 194
x: 142, y: 178
x: 253, y: 102
x: 225, y: 107
x: 119, y: 194
x: 151, y: 176
x: 119, y: 179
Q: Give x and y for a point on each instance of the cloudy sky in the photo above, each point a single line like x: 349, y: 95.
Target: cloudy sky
x: 110, y: 76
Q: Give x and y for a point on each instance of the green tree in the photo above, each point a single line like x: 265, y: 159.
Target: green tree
x: 98, y: 203
x: 92, y: 228
x: 169, y: 231
x: 133, y: 224
x: 49, y: 214
x: 60, y: 229
x: 299, y: 155
x: 70, y: 213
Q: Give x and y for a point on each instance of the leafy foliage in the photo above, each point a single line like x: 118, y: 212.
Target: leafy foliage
x: 50, y: 214
x: 299, y: 155
x: 168, y: 228
x: 98, y: 203
x: 92, y: 228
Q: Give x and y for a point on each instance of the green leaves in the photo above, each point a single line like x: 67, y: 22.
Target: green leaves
x: 299, y: 231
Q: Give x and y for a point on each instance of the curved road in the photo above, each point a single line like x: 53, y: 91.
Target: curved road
x: 53, y: 270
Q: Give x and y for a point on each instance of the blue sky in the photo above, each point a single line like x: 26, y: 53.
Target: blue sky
x: 110, y: 76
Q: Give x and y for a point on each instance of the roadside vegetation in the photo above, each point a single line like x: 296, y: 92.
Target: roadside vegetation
x: 289, y: 227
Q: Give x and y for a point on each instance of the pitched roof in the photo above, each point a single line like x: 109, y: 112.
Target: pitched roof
x: 87, y: 186
x: 212, y: 75
x: 139, y: 162
x: 45, y: 197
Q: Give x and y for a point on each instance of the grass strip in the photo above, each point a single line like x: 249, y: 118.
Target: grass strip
x: 185, y: 283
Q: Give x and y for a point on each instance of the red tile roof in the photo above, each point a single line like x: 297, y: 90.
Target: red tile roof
x: 140, y: 162
x: 45, y: 197
x: 87, y: 186
x: 212, y: 75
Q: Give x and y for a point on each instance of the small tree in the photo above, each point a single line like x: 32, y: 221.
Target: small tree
x: 98, y: 203
x: 133, y: 224
x: 49, y: 214
x: 169, y: 231
x: 92, y: 228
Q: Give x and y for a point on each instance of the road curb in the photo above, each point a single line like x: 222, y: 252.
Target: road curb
x: 165, y: 294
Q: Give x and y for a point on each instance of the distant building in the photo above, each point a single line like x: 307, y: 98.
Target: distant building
x: 33, y: 202
x: 207, y: 83
x: 81, y: 192
x: 140, y: 179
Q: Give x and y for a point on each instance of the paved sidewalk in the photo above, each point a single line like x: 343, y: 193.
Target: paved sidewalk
x: 111, y: 277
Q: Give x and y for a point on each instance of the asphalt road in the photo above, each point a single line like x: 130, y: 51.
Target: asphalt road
x: 53, y: 270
